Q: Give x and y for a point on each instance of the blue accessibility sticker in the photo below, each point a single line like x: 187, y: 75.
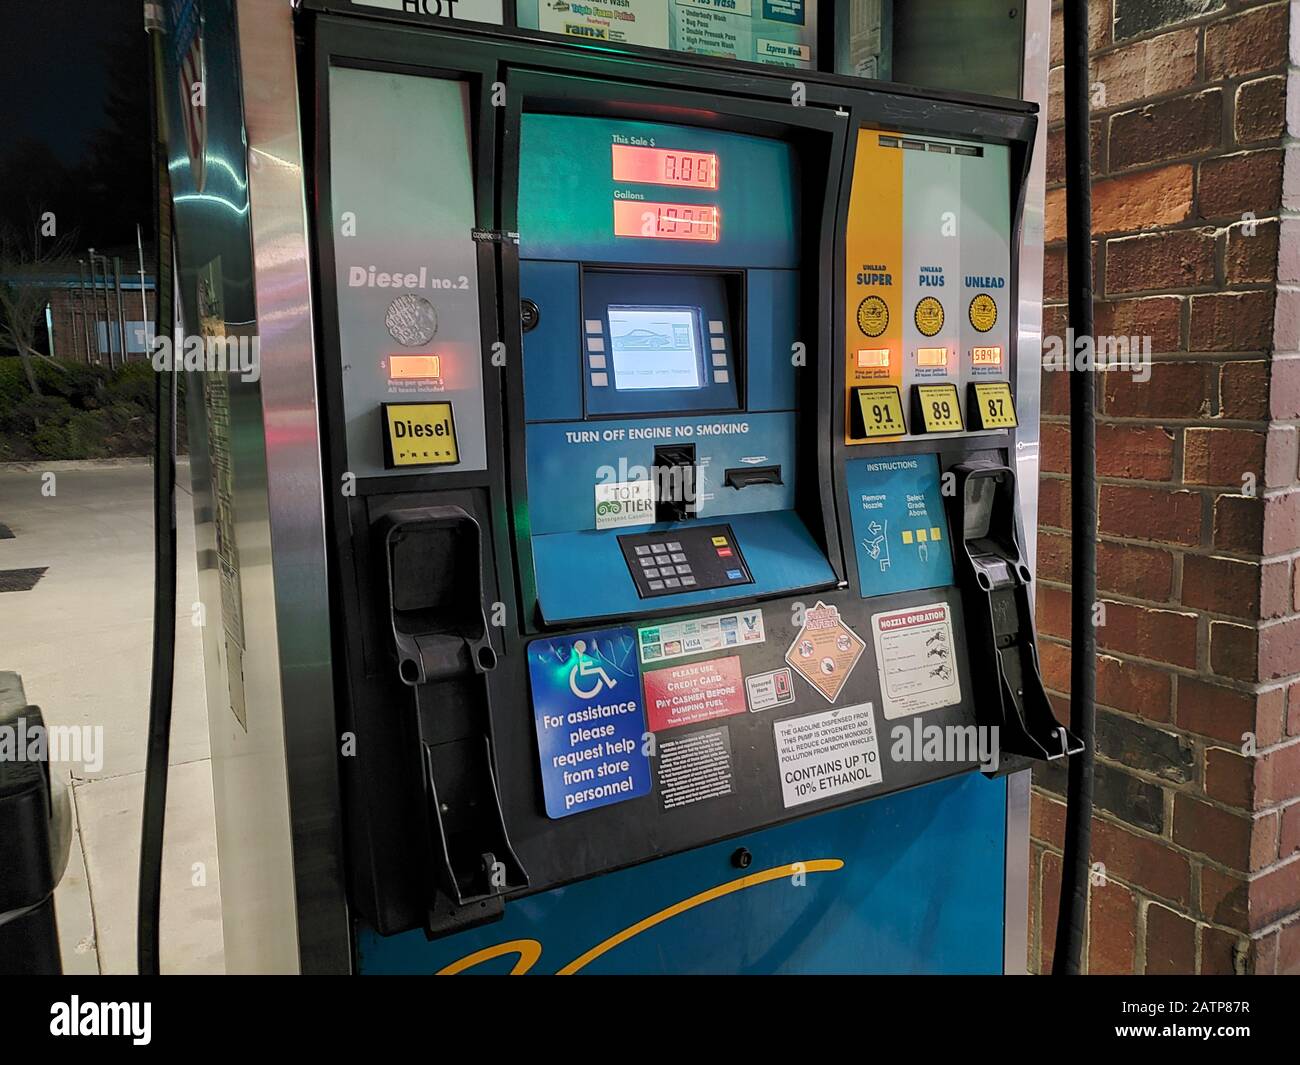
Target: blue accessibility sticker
x: 590, y: 720
x: 900, y: 529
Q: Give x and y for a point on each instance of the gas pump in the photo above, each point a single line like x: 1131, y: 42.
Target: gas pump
x: 627, y: 566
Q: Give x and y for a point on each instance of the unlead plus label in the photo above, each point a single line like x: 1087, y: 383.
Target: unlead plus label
x: 827, y: 754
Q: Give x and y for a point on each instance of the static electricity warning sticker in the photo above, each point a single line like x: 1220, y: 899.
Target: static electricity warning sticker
x: 827, y: 754
x: 873, y: 316
x: 914, y: 652
x: 928, y: 316
x: 825, y: 651
x: 983, y: 312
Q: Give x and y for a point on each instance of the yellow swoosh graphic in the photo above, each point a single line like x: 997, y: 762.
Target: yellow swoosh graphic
x: 529, y: 950
x: 779, y: 872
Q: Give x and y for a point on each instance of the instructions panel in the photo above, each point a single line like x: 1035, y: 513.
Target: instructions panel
x: 915, y: 655
x: 827, y: 754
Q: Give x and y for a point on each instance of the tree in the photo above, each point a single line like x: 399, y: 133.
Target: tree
x: 27, y: 267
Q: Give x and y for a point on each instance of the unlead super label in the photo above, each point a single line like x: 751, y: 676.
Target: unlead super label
x: 827, y: 754
x: 589, y: 718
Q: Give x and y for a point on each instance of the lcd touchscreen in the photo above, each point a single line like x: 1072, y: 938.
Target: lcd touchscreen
x: 655, y: 347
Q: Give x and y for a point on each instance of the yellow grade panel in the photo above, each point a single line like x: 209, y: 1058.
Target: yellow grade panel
x: 419, y: 434
x: 994, y: 406
x: 873, y: 282
x: 882, y: 411
x: 940, y: 409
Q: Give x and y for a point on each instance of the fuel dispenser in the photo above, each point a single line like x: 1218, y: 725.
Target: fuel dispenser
x: 623, y: 560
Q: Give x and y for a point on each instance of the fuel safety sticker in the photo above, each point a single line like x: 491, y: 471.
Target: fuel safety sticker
x: 825, y: 650
x: 744, y: 628
x: 915, y: 656
x: 827, y: 754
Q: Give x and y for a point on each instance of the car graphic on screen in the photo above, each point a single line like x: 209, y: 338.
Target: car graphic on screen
x: 645, y: 339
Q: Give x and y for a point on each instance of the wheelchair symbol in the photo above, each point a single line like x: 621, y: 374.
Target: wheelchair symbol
x: 587, y: 667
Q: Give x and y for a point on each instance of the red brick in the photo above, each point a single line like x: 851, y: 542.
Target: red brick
x: 1223, y: 898
x: 1046, y: 819
x: 1284, y: 390
x: 1278, y: 777
x: 1112, y: 929
x: 1293, y: 708
x: 1050, y: 894
x: 1147, y: 68
x: 1209, y: 830
x: 1288, y: 950
x: 1174, y: 390
x: 1142, y: 861
x: 1289, y: 835
x: 1171, y: 941
x: 1223, y: 456
x: 1054, y: 216
x: 1054, y: 273
x: 1183, y: 258
x: 1139, y: 572
x: 1133, y: 687
x: 1157, y: 317
x: 1054, y: 557
x: 1234, y: 650
x: 1054, y: 663
x: 1247, y: 181
x: 1239, y: 523
x: 1221, y: 952
x: 1054, y: 447
x: 1231, y: 321
x: 1140, y: 452
x: 1150, y: 514
x: 1052, y: 613
x: 1055, y: 385
x: 1161, y: 197
x: 1274, y: 895
x: 1244, y: 391
x: 1162, y: 635
x: 1250, y: 42
x: 1166, y: 130
x: 1275, y: 587
x: 1279, y: 649
x: 1230, y: 777
x: 1281, y: 531
x: 1260, y: 112
x: 1054, y: 502
x: 1281, y: 455
x: 1250, y: 252
x: 1221, y: 585
x: 1227, y: 714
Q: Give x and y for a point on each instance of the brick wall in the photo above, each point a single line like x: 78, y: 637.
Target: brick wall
x: 66, y: 319
x: 1196, y: 837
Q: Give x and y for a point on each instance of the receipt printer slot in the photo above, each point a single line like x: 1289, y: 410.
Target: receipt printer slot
x: 744, y: 476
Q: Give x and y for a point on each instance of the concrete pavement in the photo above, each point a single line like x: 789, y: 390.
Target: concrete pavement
x: 81, y: 638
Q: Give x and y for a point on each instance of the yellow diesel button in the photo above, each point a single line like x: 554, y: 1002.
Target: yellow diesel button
x: 419, y: 434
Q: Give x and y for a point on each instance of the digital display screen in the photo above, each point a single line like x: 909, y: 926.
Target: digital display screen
x: 986, y: 356
x: 931, y: 356
x: 665, y: 166
x: 655, y: 347
x: 665, y: 221
x: 414, y: 367
x: 870, y: 357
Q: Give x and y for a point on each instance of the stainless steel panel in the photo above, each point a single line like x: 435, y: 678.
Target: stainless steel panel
x: 1038, y: 21
x: 275, y: 784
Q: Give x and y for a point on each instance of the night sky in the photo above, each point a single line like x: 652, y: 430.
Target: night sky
x: 62, y: 63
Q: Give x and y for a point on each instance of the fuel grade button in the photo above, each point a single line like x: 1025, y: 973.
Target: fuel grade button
x: 419, y: 434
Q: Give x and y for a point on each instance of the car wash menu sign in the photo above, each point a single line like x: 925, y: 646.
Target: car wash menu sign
x: 756, y: 31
